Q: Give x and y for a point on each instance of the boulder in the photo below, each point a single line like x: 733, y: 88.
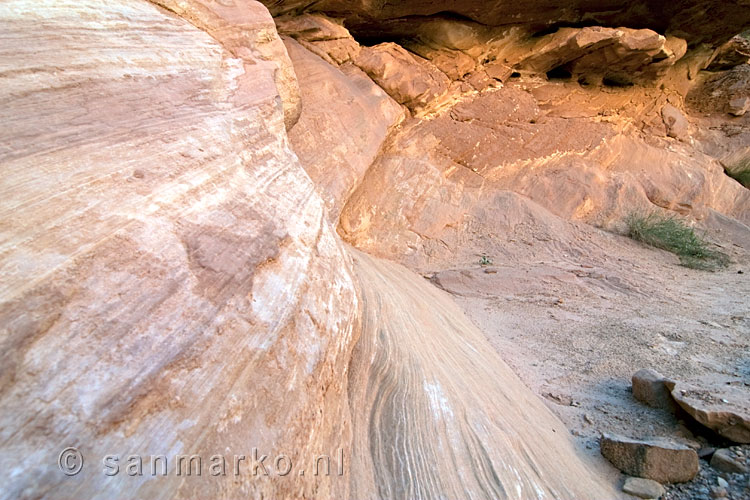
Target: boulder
x: 480, y: 80
x: 454, y: 63
x: 643, y: 488
x: 658, y: 459
x: 410, y: 80
x: 597, y: 55
x: 651, y: 388
x: 498, y: 71
x: 724, y: 461
x: 323, y: 36
x: 723, y: 409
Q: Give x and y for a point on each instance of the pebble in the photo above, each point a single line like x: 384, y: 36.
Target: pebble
x: 643, y: 488
x: 718, y: 492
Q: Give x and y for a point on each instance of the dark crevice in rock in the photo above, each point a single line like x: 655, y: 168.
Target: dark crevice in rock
x: 559, y: 73
x: 397, y: 30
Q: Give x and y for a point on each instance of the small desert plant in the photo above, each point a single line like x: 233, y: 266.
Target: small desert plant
x: 673, y: 235
x: 485, y: 261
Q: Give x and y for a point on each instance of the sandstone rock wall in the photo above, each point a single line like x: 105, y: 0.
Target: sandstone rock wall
x: 170, y: 284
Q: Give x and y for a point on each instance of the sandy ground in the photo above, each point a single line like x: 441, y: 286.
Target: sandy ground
x: 576, y: 329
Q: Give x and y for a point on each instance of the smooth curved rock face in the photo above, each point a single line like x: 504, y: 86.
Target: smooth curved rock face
x: 344, y: 122
x: 438, y: 414
x: 698, y: 20
x: 246, y: 30
x: 170, y: 284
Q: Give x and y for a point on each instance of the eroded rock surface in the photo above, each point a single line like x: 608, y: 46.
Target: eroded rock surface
x: 246, y: 30
x: 415, y: 403
x: 345, y: 120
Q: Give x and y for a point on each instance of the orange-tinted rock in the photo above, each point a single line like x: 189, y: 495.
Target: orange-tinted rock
x: 723, y: 409
x: 595, y: 55
x: 651, y: 388
x: 697, y: 20
x: 454, y: 63
x: 322, y: 36
x: 657, y: 459
x: 410, y: 81
x: 676, y: 123
x: 345, y: 120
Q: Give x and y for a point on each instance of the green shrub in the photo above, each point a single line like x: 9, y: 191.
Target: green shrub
x: 673, y: 235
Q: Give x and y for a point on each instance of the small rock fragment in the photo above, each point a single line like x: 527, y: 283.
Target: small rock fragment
x: 658, y: 459
x: 725, y: 462
x: 718, y: 492
x: 498, y: 71
x: 722, y: 482
x: 739, y: 106
x: 643, y: 488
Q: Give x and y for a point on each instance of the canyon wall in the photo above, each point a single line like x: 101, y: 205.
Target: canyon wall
x: 170, y: 284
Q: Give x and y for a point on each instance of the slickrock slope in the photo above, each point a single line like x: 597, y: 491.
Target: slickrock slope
x: 439, y: 415
x: 171, y: 285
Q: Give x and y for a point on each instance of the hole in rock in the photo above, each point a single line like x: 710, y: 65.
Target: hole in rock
x: 559, y: 73
x: 616, y: 81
